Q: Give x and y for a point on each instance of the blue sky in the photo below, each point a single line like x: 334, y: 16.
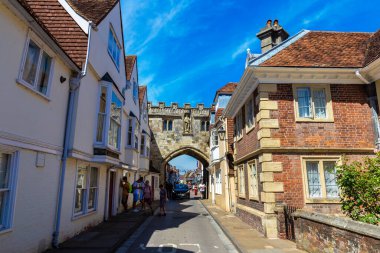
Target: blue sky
x: 184, y: 162
x: 187, y: 49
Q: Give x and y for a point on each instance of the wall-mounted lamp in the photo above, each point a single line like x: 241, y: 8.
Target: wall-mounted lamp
x: 222, y: 133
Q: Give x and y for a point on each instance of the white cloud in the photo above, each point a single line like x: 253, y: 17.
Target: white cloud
x: 242, y: 48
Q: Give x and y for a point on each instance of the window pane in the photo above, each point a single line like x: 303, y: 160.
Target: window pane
x: 2, y: 207
x: 94, y: 177
x: 332, y: 190
x: 43, y: 77
x: 241, y: 181
x: 79, y: 197
x: 4, y: 170
x: 253, y: 176
x: 313, y: 181
x: 30, y: 67
x: 304, y: 104
x: 170, y: 126
x: 92, y: 198
x: 82, y: 178
x: 115, y: 108
x: 101, y: 115
x: 114, y: 130
x: 319, y: 98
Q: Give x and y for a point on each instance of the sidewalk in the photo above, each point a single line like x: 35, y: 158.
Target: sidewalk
x: 107, y: 236
x: 244, y: 237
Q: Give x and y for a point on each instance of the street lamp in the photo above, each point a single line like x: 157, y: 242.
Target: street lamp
x: 222, y: 133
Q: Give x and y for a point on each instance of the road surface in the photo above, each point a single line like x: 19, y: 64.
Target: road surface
x: 186, y: 228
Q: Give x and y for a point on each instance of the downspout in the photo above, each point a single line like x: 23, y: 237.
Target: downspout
x: 375, y: 116
x: 74, y: 84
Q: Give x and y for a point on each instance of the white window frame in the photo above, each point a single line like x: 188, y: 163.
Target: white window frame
x: 214, y: 138
x: 253, y: 180
x: 106, y: 127
x: 117, y: 44
x: 320, y: 160
x: 86, y: 210
x: 312, y: 87
x: 218, y: 181
x: 250, y: 102
x: 6, y: 223
x: 43, y: 49
x: 239, y: 126
x: 241, y: 181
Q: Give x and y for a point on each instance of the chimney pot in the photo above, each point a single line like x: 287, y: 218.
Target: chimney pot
x: 275, y: 23
x: 269, y: 23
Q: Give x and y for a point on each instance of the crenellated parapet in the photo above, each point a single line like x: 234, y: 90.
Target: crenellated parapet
x: 174, y: 110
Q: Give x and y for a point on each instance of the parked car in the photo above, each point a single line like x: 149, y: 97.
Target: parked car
x: 181, y: 191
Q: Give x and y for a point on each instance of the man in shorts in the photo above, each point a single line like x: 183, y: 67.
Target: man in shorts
x: 138, y: 187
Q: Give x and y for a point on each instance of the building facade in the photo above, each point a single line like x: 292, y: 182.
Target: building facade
x: 60, y: 173
x: 299, y: 109
x: 221, y: 139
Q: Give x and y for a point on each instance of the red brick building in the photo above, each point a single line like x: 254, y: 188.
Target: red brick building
x: 299, y: 109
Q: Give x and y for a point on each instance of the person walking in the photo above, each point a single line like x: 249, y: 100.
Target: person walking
x: 202, y: 189
x: 126, y: 186
x: 137, y: 187
x: 148, y: 196
x: 163, y: 198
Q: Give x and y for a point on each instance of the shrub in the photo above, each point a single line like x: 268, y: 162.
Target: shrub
x: 359, y: 184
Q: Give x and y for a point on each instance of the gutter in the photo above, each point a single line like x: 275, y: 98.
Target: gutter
x: 74, y: 86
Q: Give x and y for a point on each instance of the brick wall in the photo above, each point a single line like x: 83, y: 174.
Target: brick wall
x: 352, y: 126
x: 249, y: 141
x: 250, y: 219
x: 332, y: 234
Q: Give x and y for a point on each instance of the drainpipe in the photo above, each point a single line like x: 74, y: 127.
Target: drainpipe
x: 375, y: 116
x: 74, y: 85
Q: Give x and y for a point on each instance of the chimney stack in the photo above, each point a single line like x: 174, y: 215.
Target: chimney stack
x: 271, y: 35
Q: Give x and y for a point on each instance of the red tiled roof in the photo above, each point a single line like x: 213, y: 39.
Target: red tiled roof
x: 228, y: 88
x: 142, y: 91
x: 93, y: 10
x: 130, y: 61
x: 56, y: 22
x: 323, y: 49
x: 373, y: 49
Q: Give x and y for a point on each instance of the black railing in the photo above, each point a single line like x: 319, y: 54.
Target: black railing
x: 289, y: 222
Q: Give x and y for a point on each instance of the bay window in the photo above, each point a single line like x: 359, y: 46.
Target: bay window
x: 36, y: 70
x: 108, y: 129
x: 86, y: 192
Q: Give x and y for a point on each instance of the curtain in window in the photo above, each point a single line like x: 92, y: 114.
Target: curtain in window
x: 30, y: 67
x: 313, y: 180
x: 101, y: 114
x: 115, y: 121
x: 80, y: 189
x: 43, y: 77
x: 93, y: 188
x: 332, y: 190
x: 319, y: 98
x: 304, y: 102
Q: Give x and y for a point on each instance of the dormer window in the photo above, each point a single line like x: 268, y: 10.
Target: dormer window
x: 114, y: 48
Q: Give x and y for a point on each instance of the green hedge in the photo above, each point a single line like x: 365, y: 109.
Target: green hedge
x: 359, y: 184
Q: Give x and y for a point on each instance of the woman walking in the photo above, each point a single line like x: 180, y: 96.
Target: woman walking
x: 163, y: 198
x: 148, y: 196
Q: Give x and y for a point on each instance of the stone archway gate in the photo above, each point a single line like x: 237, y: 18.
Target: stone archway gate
x: 177, y: 131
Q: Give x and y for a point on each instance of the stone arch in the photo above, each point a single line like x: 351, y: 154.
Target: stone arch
x: 188, y: 150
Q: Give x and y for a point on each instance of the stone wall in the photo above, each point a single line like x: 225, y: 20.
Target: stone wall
x: 192, y: 141
x: 323, y: 233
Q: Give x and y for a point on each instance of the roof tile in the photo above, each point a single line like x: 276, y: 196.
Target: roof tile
x: 373, y: 49
x: 130, y: 61
x: 94, y: 10
x: 323, y: 49
x: 56, y: 22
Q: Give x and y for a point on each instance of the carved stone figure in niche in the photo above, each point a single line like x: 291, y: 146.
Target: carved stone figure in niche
x: 187, y: 124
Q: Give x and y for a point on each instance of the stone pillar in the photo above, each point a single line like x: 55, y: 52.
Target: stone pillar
x: 268, y: 166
